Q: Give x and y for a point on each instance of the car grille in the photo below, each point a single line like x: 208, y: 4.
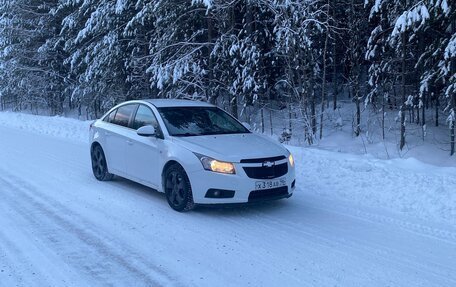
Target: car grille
x: 261, y: 160
x: 268, y: 194
x: 265, y: 172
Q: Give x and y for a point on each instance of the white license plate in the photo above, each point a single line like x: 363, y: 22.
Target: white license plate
x: 268, y: 184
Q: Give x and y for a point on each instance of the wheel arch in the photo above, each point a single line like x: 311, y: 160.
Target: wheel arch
x: 188, y: 168
x: 177, y: 154
x: 97, y: 143
x: 189, y: 203
x: 165, y: 168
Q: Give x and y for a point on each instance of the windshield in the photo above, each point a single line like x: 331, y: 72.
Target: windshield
x: 198, y: 121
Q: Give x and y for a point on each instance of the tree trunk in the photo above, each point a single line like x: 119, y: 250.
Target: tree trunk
x: 355, y: 68
x: 452, y: 126
x: 423, y: 115
x: 234, y: 107
x: 210, y: 93
x: 270, y: 122
x: 313, y: 116
x: 437, y: 106
x: 289, y: 117
x: 453, y: 110
x: 262, y: 120
x: 418, y: 121
x: 233, y: 97
x: 402, y: 107
x: 323, y: 81
x: 335, y: 89
x: 383, y: 116
x: 411, y: 113
x: 358, y: 108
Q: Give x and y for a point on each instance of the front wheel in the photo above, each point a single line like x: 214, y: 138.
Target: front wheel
x: 99, y: 165
x: 178, y: 189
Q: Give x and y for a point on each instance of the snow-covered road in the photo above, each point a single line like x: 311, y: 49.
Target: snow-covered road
x: 60, y: 227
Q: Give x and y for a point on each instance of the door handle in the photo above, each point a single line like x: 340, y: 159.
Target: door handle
x: 129, y: 142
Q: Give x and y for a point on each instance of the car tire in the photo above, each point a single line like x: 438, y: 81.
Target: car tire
x: 178, y: 189
x: 99, y: 165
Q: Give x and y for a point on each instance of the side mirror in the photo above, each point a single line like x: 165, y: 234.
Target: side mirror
x: 146, y: 131
x: 247, y: 126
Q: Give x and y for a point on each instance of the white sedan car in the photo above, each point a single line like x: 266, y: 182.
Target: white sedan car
x: 192, y: 151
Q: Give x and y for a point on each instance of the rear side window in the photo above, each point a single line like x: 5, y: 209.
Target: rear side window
x: 123, y: 115
x: 144, y: 117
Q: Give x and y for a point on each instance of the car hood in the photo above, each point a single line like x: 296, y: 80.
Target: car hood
x: 232, y: 147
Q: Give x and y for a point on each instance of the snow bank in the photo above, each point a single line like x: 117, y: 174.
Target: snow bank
x: 405, y: 186
x: 66, y: 128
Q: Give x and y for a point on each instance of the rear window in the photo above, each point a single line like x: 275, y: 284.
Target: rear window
x: 123, y: 115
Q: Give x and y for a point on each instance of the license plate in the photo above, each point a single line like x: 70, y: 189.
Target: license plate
x: 268, y: 184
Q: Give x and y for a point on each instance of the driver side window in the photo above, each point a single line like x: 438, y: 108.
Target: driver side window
x: 144, y: 117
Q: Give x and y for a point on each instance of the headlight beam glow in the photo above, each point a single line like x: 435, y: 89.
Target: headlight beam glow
x: 291, y: 159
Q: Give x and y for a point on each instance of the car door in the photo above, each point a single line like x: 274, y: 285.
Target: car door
x: 143, y: 152
x: 116, y: 137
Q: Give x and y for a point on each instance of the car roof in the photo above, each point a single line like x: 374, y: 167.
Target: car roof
x: 161, y: 103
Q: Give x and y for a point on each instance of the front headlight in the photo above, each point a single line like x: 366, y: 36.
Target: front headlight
x: 216, y: 165
x: 291, y: 159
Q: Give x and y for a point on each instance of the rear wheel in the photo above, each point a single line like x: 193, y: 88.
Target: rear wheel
x: 177, y: 188
x: 99, y: 166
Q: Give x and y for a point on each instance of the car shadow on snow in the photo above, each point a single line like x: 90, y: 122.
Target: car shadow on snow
x: 223, y: 209
x: 243, y: 208
x: 128, y: 186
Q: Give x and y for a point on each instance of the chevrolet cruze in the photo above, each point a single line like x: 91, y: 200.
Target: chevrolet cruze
x: 192, y: 151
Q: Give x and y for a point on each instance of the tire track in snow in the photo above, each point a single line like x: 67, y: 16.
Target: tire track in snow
x: 11, y: 273
x: 20, y: 245
x: 376, y: 249
x: 318, y: 252
x: 337, y: 250
x: 17, y: 269
x: 58, y: 219
x: 413, y: 227
x: 350, y: 246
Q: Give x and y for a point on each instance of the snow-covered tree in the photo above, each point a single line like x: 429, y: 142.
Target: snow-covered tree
x: 243, y: 55
x: 31, y: 64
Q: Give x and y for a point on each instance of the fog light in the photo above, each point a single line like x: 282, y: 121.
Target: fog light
x: 219, y: 193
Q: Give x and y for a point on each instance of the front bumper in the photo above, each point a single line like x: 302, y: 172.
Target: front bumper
x: 234, y: 205
x: 242, y: 185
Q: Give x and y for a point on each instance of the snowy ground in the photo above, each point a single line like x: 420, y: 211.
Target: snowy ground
x: 354, y: 220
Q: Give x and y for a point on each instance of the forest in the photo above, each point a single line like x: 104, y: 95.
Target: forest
x: 301, y: 57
